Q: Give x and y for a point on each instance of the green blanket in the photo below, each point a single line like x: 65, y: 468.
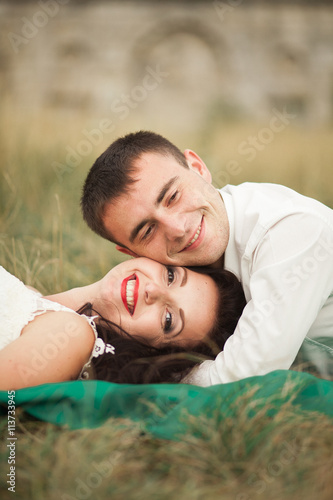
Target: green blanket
x: 165, y: 409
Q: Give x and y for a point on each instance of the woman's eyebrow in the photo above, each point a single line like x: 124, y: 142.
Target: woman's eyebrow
x: 182, y: 317
x: 184, y: 280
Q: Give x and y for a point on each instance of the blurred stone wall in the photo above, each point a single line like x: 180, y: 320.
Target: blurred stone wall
x: 177, y: 61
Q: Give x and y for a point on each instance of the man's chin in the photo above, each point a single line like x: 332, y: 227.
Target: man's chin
x: 187, y: 259
x: 199, y: 258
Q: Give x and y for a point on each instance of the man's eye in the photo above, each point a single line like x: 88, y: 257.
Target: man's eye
x: 167, y: 322
x: 148, y: 232
x: 173, y: 197
x: 171, y: 275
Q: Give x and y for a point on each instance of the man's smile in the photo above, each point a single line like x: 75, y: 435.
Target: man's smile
x: 197, y: 238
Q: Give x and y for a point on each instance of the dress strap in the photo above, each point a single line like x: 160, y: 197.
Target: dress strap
x: 100, y: 347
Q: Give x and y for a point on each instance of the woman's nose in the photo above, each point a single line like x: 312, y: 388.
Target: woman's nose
x: 154, y: 292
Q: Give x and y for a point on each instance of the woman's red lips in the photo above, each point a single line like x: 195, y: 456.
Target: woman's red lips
x: 130, y: 294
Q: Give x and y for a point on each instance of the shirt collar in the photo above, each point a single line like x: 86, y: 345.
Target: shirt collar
x: 231, y: 261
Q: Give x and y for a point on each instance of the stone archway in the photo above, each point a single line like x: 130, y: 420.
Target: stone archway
x: 195, y: 59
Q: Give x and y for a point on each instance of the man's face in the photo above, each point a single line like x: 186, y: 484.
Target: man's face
x: 171, y: 214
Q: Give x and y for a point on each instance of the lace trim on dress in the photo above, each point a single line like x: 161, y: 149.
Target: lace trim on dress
x: 86, y: 369
x: 99, y: 348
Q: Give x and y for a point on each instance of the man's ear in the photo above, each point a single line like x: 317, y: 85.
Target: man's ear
x: 126, y: 251
x: 197, y: 165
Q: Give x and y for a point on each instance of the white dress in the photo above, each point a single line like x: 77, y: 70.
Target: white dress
x: 19, y: 305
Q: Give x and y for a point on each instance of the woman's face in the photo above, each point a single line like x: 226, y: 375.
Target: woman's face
x: 161, y: 304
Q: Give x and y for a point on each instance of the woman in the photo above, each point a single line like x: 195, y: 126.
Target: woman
x: 129, y: 321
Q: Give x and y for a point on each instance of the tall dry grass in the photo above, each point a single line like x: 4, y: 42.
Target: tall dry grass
x: 43, y: 238
x: 39, y: 209
x: 42, y: 235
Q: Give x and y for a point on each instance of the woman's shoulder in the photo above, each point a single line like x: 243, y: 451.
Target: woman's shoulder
x: 64, y: 328
x: 19, y: 306
x: 52, y: 348
x: 74, y: 336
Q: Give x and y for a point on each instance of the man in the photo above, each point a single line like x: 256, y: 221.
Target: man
x: 152, y: 200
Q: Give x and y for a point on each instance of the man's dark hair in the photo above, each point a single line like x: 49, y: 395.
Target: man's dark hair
x: 113, y: 173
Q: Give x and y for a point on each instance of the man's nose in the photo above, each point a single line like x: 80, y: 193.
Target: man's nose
x: 174, y: 226
x: 154, y: 293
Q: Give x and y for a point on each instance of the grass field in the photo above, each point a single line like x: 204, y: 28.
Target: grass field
x: 286, y: 457
x: 44, y: 242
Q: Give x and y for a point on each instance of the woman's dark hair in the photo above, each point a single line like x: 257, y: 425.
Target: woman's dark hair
x: 137, y: 362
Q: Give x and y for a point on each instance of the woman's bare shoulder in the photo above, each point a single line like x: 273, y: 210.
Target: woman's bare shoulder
x: 52, y: 348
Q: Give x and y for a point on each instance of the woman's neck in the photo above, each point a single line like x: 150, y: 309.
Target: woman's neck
x: 76, y: 297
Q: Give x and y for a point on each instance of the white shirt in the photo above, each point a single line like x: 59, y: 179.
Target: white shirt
x: 281, y: 249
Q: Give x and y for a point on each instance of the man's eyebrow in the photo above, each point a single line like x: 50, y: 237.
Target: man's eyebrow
x: 165, y: 189
x: 159, y: 199
x: 137, y: 229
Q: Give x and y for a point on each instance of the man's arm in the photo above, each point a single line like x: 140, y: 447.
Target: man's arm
x: 291, y: 277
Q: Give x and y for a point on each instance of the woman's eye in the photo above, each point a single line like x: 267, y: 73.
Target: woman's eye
x: 171, y: 275
x: 167, y: 322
